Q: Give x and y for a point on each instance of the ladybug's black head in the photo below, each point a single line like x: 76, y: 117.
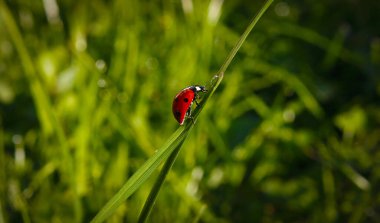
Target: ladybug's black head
x: 198, y: 88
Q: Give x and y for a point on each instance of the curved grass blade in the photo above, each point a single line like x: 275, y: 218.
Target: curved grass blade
x: 157, y: 185
x: 172, y: 146
x: 142, y: 174
x: 215, y: 81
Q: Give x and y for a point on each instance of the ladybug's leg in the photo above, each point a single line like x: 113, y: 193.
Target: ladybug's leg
x: 188, y: 114
x: 195, y: 99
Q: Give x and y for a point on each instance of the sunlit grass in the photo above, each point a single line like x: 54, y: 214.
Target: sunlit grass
x: 86, y: 97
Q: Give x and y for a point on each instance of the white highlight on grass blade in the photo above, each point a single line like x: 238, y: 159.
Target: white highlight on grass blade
x: 52, y: 11
x: 197, y: 173
x: 214, y: 11
x: 17, y: 139
x: 66, y: 79
x: 80, y: 43
x: 102, y: 83
x: 360, y: 181
x: 7, y: 93
x: 19, y: 150
x: 100, y: 65
x: 47, y: 66
x: 216, y: 177
x: 187, y: 6
x: 193, y: 186
x: 288, y: 115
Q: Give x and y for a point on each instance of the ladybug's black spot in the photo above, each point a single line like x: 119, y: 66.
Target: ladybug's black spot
x: 176, y: 99
x: 177, y: 114
x: 186, y: 100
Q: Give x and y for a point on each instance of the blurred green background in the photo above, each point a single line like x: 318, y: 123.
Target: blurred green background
x: 292, y: 134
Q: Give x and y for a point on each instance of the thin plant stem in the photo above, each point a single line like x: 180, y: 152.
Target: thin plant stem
x: 252, y: 24
x: 214, y: 84
x: 157, y: 185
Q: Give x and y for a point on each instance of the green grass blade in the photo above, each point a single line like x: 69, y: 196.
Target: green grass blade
x: 142, y: 174
x: 213, y: 85
x: 252, y: 24
x: 157, y: 185
x: 45, y: 111
x: 173, y: 145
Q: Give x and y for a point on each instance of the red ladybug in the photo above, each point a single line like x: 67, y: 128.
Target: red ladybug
x: 183, y: 100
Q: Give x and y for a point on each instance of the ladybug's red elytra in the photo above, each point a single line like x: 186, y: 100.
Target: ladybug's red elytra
x: 183, y: 100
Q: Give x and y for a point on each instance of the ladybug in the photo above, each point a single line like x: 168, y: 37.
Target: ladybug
x: 183, y: 100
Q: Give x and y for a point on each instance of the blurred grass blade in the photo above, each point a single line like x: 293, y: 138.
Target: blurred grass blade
x: 46, y: 114
x: 172, y: 146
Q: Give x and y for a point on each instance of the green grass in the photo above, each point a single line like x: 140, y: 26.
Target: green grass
x: 173, y: 145
x: 290, y: 134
